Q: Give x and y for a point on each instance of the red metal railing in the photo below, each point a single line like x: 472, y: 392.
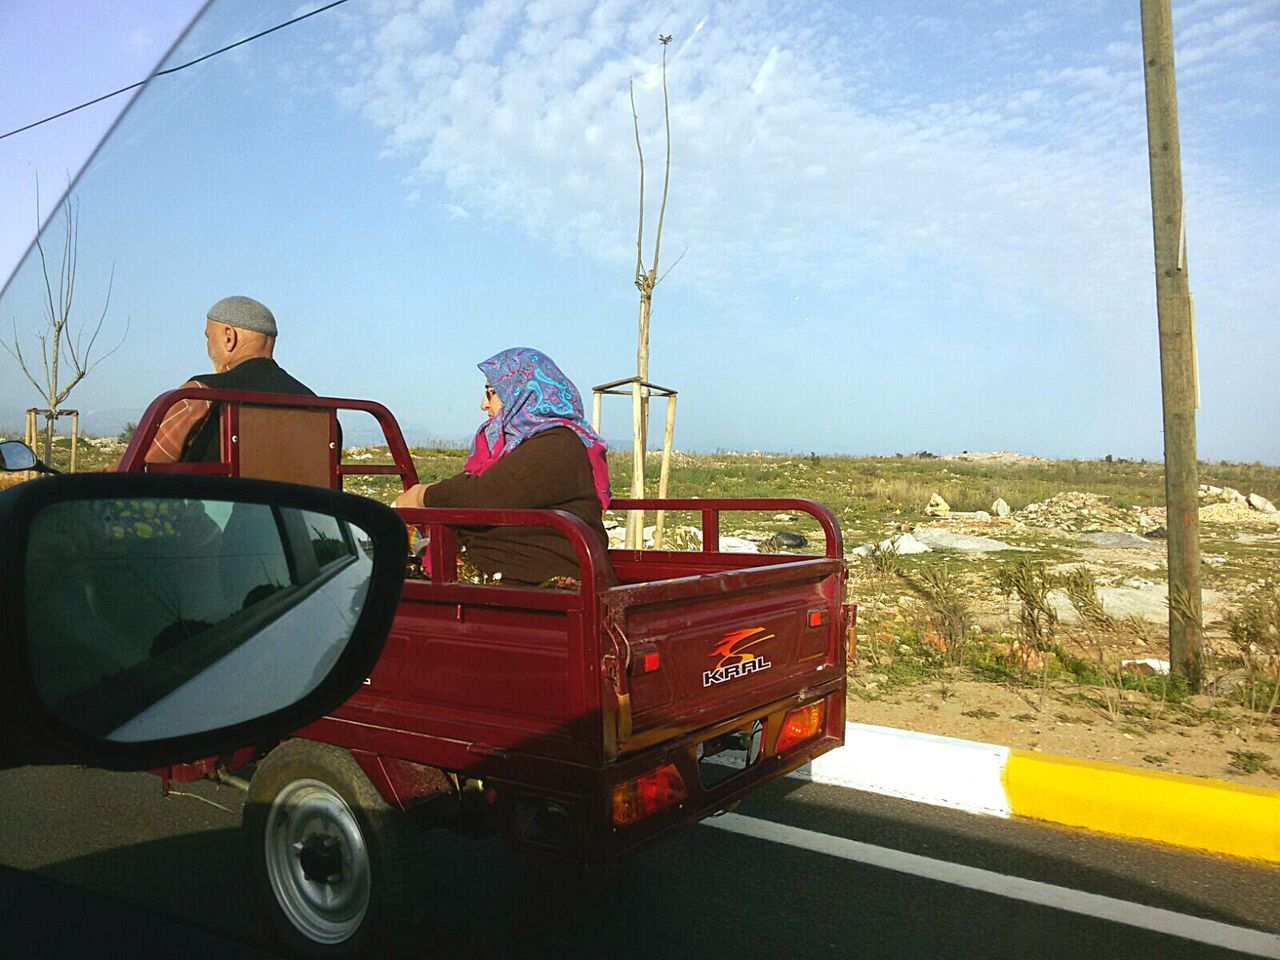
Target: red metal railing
x: 230, y: 401
x: 711, y: 510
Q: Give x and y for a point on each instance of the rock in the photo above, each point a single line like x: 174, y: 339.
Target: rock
x: 1138, y: 598
x: 1212, y: 494
x: 965, y: 543
x: 975, y: 516
x: 907, y: 544
x: 1119, y: 541
x: 1147, y: 667
x: 1000, y: 508
x: 904, y: 544
x: 1238, y: 515
x: 1230, y: 683
x: 783, y: 517
x: 785, y: 538
x: 1076, y: 511
x: 1157, y: 533
x: 1260, y: 503
x: 994, y: 456
x: 937, y: 506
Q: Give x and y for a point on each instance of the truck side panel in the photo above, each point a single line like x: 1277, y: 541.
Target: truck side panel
x: 493, y: 676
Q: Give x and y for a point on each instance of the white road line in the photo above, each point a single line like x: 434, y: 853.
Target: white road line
x: 1211, y: 932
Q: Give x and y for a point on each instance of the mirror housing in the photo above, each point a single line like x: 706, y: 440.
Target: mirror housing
x: 154, y: 619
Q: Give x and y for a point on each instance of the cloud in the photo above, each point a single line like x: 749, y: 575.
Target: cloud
x: 797, y: 157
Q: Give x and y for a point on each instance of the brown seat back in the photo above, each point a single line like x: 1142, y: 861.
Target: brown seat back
x: 290, y: 445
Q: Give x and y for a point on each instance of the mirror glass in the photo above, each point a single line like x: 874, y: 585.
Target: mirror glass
x: 15, y: 455
x: 150, y: 618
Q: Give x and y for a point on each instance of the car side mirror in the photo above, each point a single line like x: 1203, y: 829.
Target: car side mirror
x: 152, y: 619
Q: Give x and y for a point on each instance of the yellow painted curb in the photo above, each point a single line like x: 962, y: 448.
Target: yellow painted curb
x: 1167, y: 807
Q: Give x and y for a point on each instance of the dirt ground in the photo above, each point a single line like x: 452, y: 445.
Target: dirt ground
x: 1194, y: 739
x: 897, y: 684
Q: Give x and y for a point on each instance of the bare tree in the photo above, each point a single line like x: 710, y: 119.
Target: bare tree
x: 646, y: 280
x: 66, y: 358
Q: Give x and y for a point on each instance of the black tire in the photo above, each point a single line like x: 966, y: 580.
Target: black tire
x: 329, y: 856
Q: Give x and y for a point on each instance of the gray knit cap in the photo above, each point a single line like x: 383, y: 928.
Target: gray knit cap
x: 245, y: 313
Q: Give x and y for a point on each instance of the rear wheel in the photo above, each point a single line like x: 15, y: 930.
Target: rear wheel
x: 327, y: 852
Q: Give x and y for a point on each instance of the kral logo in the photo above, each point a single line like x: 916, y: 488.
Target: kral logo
x: 735, y: 660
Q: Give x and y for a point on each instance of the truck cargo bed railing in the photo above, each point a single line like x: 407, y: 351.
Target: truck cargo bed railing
x: 231, y: 404
x: 711, y: 510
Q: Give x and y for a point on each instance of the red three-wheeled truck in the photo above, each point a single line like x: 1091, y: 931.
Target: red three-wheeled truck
x: 579, y: 724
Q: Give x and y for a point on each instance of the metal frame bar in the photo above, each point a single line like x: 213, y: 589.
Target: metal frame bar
x: 231, y: 400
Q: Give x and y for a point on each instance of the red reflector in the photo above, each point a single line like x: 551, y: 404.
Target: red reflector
x: 649, y: 662
x: 817, y: 618
x: 646, y: 795
x: 801, y: 725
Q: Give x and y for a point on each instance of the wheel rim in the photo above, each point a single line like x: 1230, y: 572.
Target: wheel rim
x: 317, y: 861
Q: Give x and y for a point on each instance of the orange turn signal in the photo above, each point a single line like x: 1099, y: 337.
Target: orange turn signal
x: 648, y: 794
x: 801, y: 725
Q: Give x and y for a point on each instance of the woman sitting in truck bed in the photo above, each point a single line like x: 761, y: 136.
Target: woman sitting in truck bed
x: 535, y: 451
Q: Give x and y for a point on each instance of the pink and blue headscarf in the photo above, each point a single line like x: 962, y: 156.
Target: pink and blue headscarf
x: 536, y: 396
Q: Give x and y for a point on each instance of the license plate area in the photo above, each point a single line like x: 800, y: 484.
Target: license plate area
x: 723, y: 757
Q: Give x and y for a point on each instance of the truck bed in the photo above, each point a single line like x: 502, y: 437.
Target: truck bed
x: 564, y: 694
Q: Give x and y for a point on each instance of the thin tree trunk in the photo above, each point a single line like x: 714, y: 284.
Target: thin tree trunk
x: 635, y: 518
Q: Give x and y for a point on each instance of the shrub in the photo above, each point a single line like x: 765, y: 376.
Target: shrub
x: 884, y: 558
x: 1254, y: 631
x: 1082, y: 591
x: 946, y: 608
x: 1031, y: 584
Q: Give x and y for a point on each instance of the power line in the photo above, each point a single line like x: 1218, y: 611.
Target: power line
x: 182, y: 66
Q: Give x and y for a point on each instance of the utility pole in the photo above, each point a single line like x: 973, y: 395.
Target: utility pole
x: 1177, y: 346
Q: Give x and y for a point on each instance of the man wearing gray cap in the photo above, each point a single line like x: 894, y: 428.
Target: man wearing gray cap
x: 241, y: 335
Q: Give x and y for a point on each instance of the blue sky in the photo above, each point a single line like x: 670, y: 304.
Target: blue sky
x: 904, y: 226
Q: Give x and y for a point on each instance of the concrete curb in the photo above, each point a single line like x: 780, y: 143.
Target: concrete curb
x: 1202, y: 814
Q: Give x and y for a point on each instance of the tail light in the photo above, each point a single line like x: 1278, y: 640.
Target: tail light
x: 801, y: 725
x: 646, y: 795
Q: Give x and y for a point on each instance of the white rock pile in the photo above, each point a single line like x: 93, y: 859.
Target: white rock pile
x: 1077, y: 512
x: 1230, y: 506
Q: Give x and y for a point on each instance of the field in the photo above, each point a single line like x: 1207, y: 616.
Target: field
x: 1023, y: 642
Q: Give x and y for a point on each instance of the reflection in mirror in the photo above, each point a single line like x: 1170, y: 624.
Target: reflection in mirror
x: 150, y: 618
x: 15, y: 455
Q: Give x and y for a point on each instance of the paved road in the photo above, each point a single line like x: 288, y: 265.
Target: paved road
x: 155, y: 866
